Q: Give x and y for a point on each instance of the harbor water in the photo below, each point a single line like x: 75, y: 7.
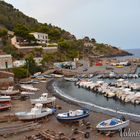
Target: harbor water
x: 96, y: 101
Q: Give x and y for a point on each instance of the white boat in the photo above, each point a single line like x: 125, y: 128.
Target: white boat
x: 43, y: 99
x: 113, y: 124
x: 29, y: 87
x: 72, y: 116
x: 57, y: 75
x: 27, y: 93
x: 5, y: 98
x: 35, y: 113
x: 71, y: 79
x: 9, y: 91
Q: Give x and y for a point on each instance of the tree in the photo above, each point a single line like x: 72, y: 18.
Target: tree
x: 21, y: 30
x: 38, y: 52
x: 48, y: 59
x: 54, y: 34
x: 20, y: 72
x: 3, y: 32
x: 30, y: 64
x: 93, y: 40
x: 86, y: 38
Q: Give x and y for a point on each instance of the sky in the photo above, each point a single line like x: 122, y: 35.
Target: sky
x: 115, y: 22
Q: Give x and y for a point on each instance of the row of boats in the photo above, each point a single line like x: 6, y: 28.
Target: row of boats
x: 38, y: 112
x: 113, y: 75
x: 123, y: 90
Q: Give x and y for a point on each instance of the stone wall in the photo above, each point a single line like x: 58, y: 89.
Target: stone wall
x: 6, y: 79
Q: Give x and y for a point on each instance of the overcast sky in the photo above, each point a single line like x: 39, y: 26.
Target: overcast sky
x: 115, y: 22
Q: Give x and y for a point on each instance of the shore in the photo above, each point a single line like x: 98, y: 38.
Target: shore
x: 52, y: 124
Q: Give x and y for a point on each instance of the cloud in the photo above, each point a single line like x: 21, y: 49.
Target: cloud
x: 49, y: 10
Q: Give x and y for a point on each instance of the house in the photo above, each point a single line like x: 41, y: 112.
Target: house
x: 20, y: 63
x: 88, y: 44
x: 5, y: 61
x: 41, y: 38
x: 23, y: 45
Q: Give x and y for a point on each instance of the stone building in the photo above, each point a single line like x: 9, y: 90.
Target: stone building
x: 5, y: 61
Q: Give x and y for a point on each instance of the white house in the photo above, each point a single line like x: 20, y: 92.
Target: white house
x: 41, y: 38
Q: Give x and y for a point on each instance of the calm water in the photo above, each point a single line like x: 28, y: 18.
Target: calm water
x: 70, y: 91
x: 135, y: 52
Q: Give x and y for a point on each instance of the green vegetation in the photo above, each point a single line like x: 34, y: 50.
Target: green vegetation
x: 11, y: 18
x: 69, y: 47
x: 20, y: 72
x: 9, y: 49
x: 31, y: 65
x: 3, y: 32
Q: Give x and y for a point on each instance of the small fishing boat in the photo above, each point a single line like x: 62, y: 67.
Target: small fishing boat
x: 36, y: 113
x: 5, y: 99
x: 25, y: 82
x: 73, y: 115
x: 9, y: 92
x: 114, y: 124
x: 28, y: 87
x: 71, y: 79
x: 43, y: 99
x: 27, y: 93
x: 5, y: 106
x: 57, y: 75
x: 47, y: 76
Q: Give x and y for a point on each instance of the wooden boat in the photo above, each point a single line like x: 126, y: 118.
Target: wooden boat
x: 73, y: 115
x: 71, y: 79
x: 5, y: 106
x: 113, y: 124
x: 27, y: 93
x: 43, y: 99
x: 25, y: 82
x: 28, y: 87
x: 57, y: 75
x: 36, y: 113
x: 10, y: 91
x: 47, y: 76
x: 5, y: 99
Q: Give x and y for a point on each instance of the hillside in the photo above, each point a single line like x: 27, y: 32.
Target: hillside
x: 10, y: 17
x: 69, y: 46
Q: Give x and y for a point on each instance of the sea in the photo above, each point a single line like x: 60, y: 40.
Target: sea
x: 97, y: 102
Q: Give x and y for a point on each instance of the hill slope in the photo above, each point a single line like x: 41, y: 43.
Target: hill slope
x: 10, y: 17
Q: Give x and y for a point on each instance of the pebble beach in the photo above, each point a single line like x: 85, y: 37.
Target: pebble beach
x: 52, y: 124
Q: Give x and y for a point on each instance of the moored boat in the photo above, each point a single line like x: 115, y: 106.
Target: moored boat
x: 73, y: 115
x: 71, y: 79
x: 36, y: 113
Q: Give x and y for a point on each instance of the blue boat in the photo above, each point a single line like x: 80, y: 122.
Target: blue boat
x: 72, y: 116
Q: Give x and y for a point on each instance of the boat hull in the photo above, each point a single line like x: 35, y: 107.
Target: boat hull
x: 5, y: 106
x: 72, y: 118
x: 115, y: 127
x: 9, y: 93
x: 5, y: 99
x: 47, y: 101
x: 27, y: 117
